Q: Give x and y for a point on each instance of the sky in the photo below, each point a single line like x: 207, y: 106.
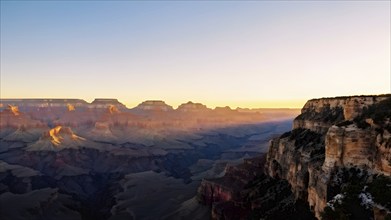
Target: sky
x: 247, y: 53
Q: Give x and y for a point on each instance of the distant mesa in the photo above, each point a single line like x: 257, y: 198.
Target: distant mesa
x: 105, y: 103
x: 224, y: 109
x: 28, y: 103
x: 102, y: 104
x: 154, y: 105
x: 191, y: 107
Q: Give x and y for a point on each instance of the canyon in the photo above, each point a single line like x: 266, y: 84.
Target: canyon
x: 70, y: 159
x: 334, y: 164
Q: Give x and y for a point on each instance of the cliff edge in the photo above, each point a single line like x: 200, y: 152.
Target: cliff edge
x: 334, y: 164
x: 337, y: 152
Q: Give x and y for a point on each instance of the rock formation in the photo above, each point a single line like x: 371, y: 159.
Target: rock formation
x: 154, y: 105
x: 335, y: 162
x: 107, y: 103
x: 192, y: 107
x: 331, y: 135
x: 71, y: 107
x: 56, y: 139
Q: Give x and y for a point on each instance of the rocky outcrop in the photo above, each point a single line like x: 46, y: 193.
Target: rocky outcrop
x: 332, y: 134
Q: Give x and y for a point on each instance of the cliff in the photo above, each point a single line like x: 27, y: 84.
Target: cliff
x: 331, y: 140
x: 334, y: 164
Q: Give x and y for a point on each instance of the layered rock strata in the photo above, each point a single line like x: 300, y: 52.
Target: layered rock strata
x: 332, y: 134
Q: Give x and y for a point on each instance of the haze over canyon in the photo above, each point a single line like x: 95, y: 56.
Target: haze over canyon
x: 67, y: 158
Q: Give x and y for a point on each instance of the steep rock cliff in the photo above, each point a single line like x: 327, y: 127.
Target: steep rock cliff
x: 328, y: 137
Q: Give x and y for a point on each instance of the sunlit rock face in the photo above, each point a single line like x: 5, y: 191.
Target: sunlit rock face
x: 350, y: 146
x: 13, y: 109
x: 71, y: 107
x: 113, y: 109
x: 332, y: 134
x: 57, y: 138
x: 59, y: 133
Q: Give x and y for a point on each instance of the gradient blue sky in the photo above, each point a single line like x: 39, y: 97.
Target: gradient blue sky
x: 249, y: 54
